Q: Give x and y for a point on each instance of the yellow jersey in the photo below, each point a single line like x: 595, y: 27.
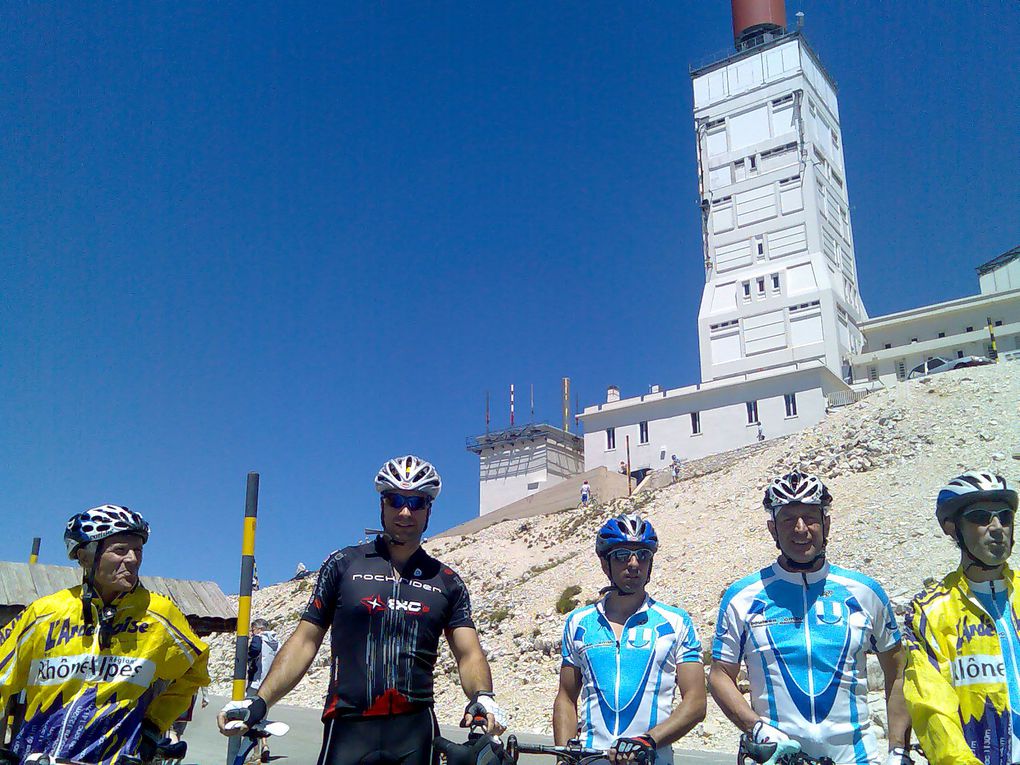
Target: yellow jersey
x: 957, y: 677
x: 85, y: 702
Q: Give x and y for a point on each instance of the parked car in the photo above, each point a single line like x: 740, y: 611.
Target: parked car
x: 938, y: 364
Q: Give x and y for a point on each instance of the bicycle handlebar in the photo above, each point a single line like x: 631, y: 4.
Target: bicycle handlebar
x: 751, y: 752
x: 574, y: 753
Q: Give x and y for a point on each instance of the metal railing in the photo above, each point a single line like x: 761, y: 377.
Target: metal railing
x: 845, y: 397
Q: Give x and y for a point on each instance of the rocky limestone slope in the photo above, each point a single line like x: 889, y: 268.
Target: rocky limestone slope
x: 883, y: 458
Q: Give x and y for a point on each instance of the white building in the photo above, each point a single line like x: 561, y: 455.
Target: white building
x: 901, y: 341
x: 706, y: 418
x: 520, y: 461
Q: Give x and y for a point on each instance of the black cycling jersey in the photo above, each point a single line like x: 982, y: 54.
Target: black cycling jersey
x: 385, y: 629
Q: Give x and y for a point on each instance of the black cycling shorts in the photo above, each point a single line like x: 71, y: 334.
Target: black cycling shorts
x: 380, y: 740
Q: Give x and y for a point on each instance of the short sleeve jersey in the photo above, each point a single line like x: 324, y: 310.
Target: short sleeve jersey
x: 803, y: 638
x: 385, y: 629
x: 627, y: 685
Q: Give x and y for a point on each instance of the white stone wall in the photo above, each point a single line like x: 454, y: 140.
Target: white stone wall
x: 517, y: 469
x: 723, y: 417
x: 781, y: 275
x: 1006, y: 277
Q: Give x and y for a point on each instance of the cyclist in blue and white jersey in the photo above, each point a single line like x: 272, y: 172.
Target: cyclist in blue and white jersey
x: 624, y: 656
x: 802, y: 627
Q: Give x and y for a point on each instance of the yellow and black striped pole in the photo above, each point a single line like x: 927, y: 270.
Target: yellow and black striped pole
x: 251, y: 511
x: 34, y: 557
x: 991, y: 336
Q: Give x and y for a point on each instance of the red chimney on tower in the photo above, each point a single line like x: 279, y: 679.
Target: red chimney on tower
x: 752, y: 18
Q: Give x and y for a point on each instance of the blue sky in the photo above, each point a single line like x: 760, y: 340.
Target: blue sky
x: 300, y: 240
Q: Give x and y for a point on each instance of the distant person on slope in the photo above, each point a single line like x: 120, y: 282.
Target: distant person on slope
x: 802, y: 628
x: 585, y: 493
x: 387, y: 603
x: 963, y: 664
x: 624, y: 656
x: 675, y: 466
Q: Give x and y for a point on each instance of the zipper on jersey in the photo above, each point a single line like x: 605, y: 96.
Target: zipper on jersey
x: 616, y: 727
x: 1001, y: 618
x: 807, y: 646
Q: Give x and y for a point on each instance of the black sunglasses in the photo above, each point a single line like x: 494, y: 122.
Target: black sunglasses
x: 622, y: 555
x: 984, y: 517
x: 413, y: 503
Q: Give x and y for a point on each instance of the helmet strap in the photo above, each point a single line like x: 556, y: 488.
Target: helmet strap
x: 88, y: 583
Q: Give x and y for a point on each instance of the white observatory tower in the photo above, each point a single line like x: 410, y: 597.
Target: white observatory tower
x: 780, y: 272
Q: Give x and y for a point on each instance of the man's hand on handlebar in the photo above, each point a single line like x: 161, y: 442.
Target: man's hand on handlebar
x: 633, y: 750
x: 237, y: 717
x: 484, y: 706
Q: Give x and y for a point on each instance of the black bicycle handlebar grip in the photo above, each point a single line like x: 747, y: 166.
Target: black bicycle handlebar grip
x: 512, y: 748
x: 176, y: 751
x: 749, y: 749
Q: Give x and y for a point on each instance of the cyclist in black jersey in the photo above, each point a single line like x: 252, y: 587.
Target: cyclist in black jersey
x: 387, y: 603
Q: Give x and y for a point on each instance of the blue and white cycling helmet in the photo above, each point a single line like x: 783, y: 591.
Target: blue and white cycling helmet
x: 410, y: 473
x: 971, y: 487
x: 98, y: 523
x: 803, y: 488
x: 628, y: 528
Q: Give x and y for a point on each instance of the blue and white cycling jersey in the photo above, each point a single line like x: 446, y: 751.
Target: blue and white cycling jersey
x: 627, y: 685
x: 803, y: 638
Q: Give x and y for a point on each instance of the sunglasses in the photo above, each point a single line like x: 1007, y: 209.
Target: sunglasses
x: 623, y: 556
x: 412, y: 503
x: 984, y: 517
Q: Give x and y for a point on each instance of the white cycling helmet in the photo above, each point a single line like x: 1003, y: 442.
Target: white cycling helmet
x: 799, y: 487
x: 971, y: 487
x: 409, y: 473
x: 98, y: 523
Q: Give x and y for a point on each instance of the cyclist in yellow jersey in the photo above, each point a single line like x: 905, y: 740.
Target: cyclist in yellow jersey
x: 107, y: 666
x: 962, y: 682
